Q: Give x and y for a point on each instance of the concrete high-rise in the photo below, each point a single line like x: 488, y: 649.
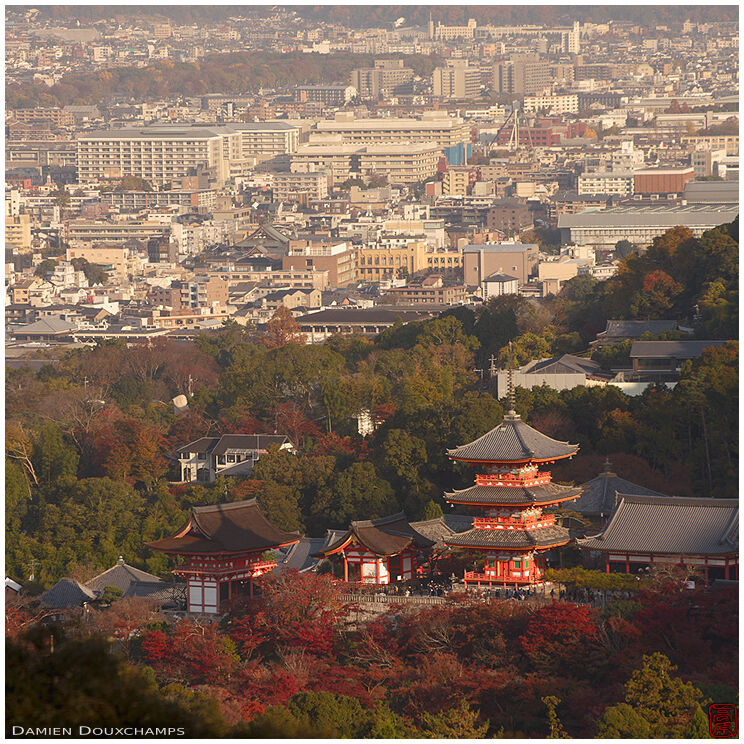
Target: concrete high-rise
x: 456, y: 80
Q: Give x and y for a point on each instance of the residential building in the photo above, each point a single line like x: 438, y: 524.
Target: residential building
x: 513, y: 259
x: 456, y: 80
x: 338, y: 259
x: 295, y: 186
x: 612, y: 183
x: 523, y: 75
x: 18, y: 231
x: 317, y: 327
x: 552, y: 104
x: 161, y: 153
x: 433, y: 126
x: 387, y: 77
x: 431, y: 291
x: 332, y: 95
x: 398, y: 163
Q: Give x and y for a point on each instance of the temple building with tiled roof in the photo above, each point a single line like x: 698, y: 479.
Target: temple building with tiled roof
x: 599, y: 495
x: 512, y: 492
x: 650, y: 530
x: 388, y: 549
x: 223, y: 547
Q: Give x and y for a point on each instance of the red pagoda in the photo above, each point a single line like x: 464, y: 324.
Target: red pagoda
x: 512, y: 491
x: 224, y: 549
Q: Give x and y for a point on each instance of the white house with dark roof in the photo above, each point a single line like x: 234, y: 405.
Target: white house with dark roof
x: 230, y: 454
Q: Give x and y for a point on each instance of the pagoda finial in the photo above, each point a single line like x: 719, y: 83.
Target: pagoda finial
x: 510, y: 383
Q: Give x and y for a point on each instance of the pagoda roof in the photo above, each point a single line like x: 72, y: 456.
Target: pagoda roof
x: 239, y: 527
x: 548, y: 493
x: 670, y: 525
x: 513, y: 440
x: 540, y: 537
x: 385, y: 536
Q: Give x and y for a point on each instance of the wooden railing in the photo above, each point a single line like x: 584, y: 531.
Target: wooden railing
x: 391, y: 599
x: 546, y: 520
x: 502, y: 479
x: 490, y: 578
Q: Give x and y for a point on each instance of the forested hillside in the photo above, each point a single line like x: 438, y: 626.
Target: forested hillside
x: 90, y: 440
x: 241, y: 72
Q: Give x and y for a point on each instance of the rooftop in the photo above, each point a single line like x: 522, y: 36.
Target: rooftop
x: 669, y: 525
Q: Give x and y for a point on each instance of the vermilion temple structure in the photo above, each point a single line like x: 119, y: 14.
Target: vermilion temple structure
x: 388, y: 549
x: 512, y: 492
x: 224, y: 549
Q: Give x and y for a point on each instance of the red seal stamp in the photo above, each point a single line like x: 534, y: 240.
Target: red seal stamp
x: 722, y: 721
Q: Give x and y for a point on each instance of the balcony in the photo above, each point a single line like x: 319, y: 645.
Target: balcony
x: 473, y: 577
x: 503, y: 479
x: 512, y: 523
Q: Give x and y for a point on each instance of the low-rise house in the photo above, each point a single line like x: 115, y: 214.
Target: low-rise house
x: 230, y: 454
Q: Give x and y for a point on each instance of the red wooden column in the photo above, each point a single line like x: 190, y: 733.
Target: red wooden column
x: 346, y: 568
x: 627, y: 564
x: 377, y: 571
x: 607, y: 568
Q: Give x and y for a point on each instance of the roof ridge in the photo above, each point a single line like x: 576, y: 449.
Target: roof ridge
x: 379, y: 521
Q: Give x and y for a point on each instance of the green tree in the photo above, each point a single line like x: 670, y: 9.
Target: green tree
x: 459, y: 722
x: 664, y: 702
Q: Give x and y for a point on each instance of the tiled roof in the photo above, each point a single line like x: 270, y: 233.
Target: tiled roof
x: 67, y: 593
x: 669, y: 525
x: 226, y: 528
x: 599, y: 495
x: 671, y: 349
x: 549, y: 493
x: 121, y: 576
x: 540, y: 537
x: 384, y: 536
x: 566, y: 364
x: 513, y: 440
x: 636, y: 328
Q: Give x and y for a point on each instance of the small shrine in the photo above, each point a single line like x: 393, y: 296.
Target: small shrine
x: 386, y: 550
x: 223, y: 547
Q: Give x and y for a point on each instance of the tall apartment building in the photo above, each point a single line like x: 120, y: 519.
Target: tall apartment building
x: 290, y: 186
x: 571, y: 40
x: 58, y: 117
x: 387, y: 77
x: 456, y: 181
x: 565, y: 104
x: 521, y: 75
x: 433, y: 126
x: 333, y: 95
x: 456, y: 80
x: 627, y: 158
x: 162, y: 153
x: 601, y: 182
x: 399, y: 163
x: 18, y: 231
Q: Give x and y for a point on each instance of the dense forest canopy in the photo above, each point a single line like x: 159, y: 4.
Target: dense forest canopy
x: 90, y: 439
